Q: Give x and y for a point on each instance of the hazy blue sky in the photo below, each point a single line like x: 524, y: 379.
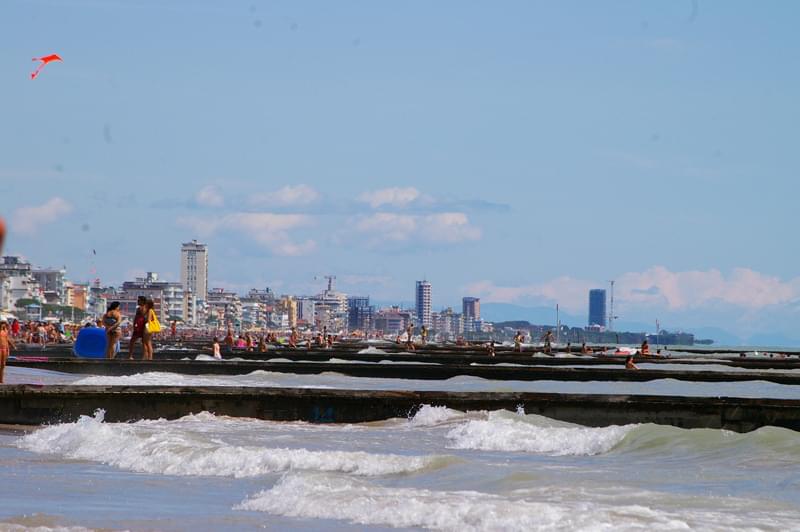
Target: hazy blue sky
x: 518, y: 151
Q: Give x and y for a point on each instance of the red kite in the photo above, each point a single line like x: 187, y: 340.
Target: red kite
x: 46, y: 59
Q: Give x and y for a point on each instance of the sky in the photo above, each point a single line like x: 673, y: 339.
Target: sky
x: 522, y: 152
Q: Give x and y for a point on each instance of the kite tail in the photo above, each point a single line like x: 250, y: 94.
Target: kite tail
x: 36, y: 72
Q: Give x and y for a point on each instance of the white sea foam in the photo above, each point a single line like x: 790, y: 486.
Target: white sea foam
x: 14, y: 527
x: 161, y: 448
x: 325, y: 496
x: 160, y: 378
x: 504, y: 431
x: 372, y: 351
x: 430, y: 416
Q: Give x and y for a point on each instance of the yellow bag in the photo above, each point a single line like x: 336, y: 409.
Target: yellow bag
x: 153, y: 326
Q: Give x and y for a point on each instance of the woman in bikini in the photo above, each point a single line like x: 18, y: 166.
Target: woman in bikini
x: 139, y: 321
x: 111, y: 321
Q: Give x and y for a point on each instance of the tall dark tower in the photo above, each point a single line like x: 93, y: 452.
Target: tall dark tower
x: 597, y: 307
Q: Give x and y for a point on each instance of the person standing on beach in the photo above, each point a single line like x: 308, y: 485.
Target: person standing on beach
x: 139, y: 321
x: 152, y: 326
x: 293, y: 338
x: 6, y: 344
x: 112, y: 320
x: 229, y: 341
x: 424, y: 335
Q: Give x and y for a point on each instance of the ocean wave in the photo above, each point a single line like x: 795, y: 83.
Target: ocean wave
x: 509, y: 432
x: 162, y: 448
x: 772, y: 442
x: 321, y: 496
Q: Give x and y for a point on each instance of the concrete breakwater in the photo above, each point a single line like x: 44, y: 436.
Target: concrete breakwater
x: 463, y: 357
x: 400, y: 371
x: 34, y: 405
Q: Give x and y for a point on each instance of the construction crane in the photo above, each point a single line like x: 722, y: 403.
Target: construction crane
x: 330, y: 278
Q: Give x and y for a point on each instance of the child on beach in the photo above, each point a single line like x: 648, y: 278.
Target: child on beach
x: 6, y: 344
x: 215, y: 347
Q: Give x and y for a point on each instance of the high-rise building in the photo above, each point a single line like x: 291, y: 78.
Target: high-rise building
x: 424, y: 303
x: 194, y: 269
x: 359, y: 313
x: 597, y: 308
x: 471, y: 308
x: 471, y: 313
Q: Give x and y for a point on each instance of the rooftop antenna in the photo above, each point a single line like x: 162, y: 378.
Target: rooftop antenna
x: 611, y: 316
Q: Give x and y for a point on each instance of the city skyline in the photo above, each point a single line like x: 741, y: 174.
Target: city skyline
x: 558, y: 150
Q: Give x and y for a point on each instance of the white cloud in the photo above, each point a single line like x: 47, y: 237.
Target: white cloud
x: 296, y: 195
x: 209, y: 196
x: 680, y: 290
x: 388, y: 226
x: 27, y: 220
x: 268, y: 229
x: 289, y: 195
x: 443, y: 227
x: 449, y: 227
x: 658, y: 287
x: 395, y: 197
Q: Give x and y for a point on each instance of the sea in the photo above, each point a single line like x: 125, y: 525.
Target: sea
x: 440, y: 469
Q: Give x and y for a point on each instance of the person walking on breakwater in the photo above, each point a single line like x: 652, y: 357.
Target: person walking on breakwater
x: 150, y: 328
x: 112, y: 320
x: 139, y: 321
x: 410, y: 338
x: 518, y: 342
x: 6, y: 345
x: 547, y: 338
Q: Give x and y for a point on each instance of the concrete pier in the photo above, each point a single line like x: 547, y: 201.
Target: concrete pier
x: 34, y: 405
x: 399, y: 371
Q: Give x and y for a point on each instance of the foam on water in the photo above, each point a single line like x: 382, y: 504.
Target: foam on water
x: 504, y: 431
x: 372, y: 351
x: 162, y: 448
x: 323, y: 496
x: 430, y: 416
x: 160, y: 378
